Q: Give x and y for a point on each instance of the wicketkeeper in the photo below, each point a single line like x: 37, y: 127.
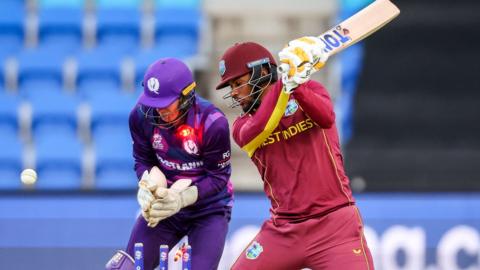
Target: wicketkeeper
x: 181, y: 147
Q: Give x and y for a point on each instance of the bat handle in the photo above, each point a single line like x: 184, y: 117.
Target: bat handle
x: 283, y: 68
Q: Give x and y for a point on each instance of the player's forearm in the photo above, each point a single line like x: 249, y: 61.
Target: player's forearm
x: 316, y: 103
x: 140, y: 168
x: 144, y: 159
x: 213, y: 183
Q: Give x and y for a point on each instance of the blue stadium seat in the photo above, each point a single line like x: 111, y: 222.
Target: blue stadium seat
x: 10, y: 158
x: 119, y: 28
x: 11, y: 30
x: 145, y: 57
x: 118, y: 3
x: 113, y: 156
x: 53, y: 108
x: 12, y: 15
x: 100, y: 64
x: 61, y: 28
x: 107, y: 108
x: 159, y: 4
x: 58, y: 160
x: 91, y: 87
x: 38, y: 83
x: 79, y: 4
x: 178, y: 28
x: 41, y: 63
x: 10, y: 45
x: 9, y: 105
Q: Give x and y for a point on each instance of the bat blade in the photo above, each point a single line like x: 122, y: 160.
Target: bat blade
x: 359, y: 26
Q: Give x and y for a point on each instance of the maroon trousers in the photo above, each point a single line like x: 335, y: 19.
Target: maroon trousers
x: 331, y: 242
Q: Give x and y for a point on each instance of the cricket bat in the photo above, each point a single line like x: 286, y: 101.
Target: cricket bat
x: 359, y: 26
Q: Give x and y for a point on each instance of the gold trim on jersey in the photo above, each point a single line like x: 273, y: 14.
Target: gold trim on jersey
x: 270, y: 187
x: 334, y: 163
x: 272, y: 123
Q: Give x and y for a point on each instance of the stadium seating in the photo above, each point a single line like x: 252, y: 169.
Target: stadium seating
x: 59, y: 156
x: 98, y: 64
x: 79, y: 4
x: 63, y: 71
x: 178, y: 28
x: 118, y: 3
x: 40, y: 64
x: 144, y: 57
x: 11, y: 31
x: 119, y: 28
x: 60, y: 28
x: 10, y: 158
x: 107, y: 108
x: 159, y: 4
x: 113, y: 157
x: 53, y: 108
x: 9, y: 105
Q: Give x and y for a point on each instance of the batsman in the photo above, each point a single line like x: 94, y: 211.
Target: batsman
x: 181, y: 147
x: 288, y: 129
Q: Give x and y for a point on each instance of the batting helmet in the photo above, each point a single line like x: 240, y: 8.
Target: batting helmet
x: 239, y: 59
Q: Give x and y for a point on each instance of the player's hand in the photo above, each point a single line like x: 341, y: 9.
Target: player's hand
x: 144, y: 194
x: 170, y: 201
x: 302, y: 57
x: 149, y: 182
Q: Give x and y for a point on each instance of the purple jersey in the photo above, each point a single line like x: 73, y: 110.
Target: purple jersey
x: 199, y: 149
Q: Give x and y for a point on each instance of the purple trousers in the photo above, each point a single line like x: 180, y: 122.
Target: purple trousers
x: 206, y: 235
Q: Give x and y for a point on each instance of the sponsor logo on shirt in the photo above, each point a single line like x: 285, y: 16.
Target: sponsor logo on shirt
x: 225, y: 160
x: 357, y: 251
x: 292, y: 107
x: 289, y: 132
x: 180, y: 166
x: 254, y: 250
x: 158, y: 142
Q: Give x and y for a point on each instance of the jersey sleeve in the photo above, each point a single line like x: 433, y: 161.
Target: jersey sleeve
x: 315, y: 101
x: 216, y: 159
x: 143, y: 153
x: 250, y: 131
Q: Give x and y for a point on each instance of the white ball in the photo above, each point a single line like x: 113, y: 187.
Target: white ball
x: 28, y: 177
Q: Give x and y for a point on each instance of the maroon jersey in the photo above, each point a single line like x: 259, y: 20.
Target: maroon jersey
x: 294, y: 143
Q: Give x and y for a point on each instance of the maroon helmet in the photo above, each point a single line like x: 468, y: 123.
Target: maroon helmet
x: 240, y: 58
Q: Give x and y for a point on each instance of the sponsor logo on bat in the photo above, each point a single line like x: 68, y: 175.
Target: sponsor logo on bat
x: 335, y: 38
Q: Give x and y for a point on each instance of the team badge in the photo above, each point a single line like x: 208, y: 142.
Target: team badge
x: 158, y: 142
x: 221, y: 67
x: 254, y: 250
x: 190, y: 146
x: 292, y: 107
x: 153, y: 85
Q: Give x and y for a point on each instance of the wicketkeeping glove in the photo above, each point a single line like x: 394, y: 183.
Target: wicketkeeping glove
x: 170, y: 201
x: 303, y: 56
x: 149, y: 183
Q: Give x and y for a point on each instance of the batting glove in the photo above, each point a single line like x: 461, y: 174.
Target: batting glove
x: 316, y: 47
x: 171, y: 200
x: 303, y: 57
